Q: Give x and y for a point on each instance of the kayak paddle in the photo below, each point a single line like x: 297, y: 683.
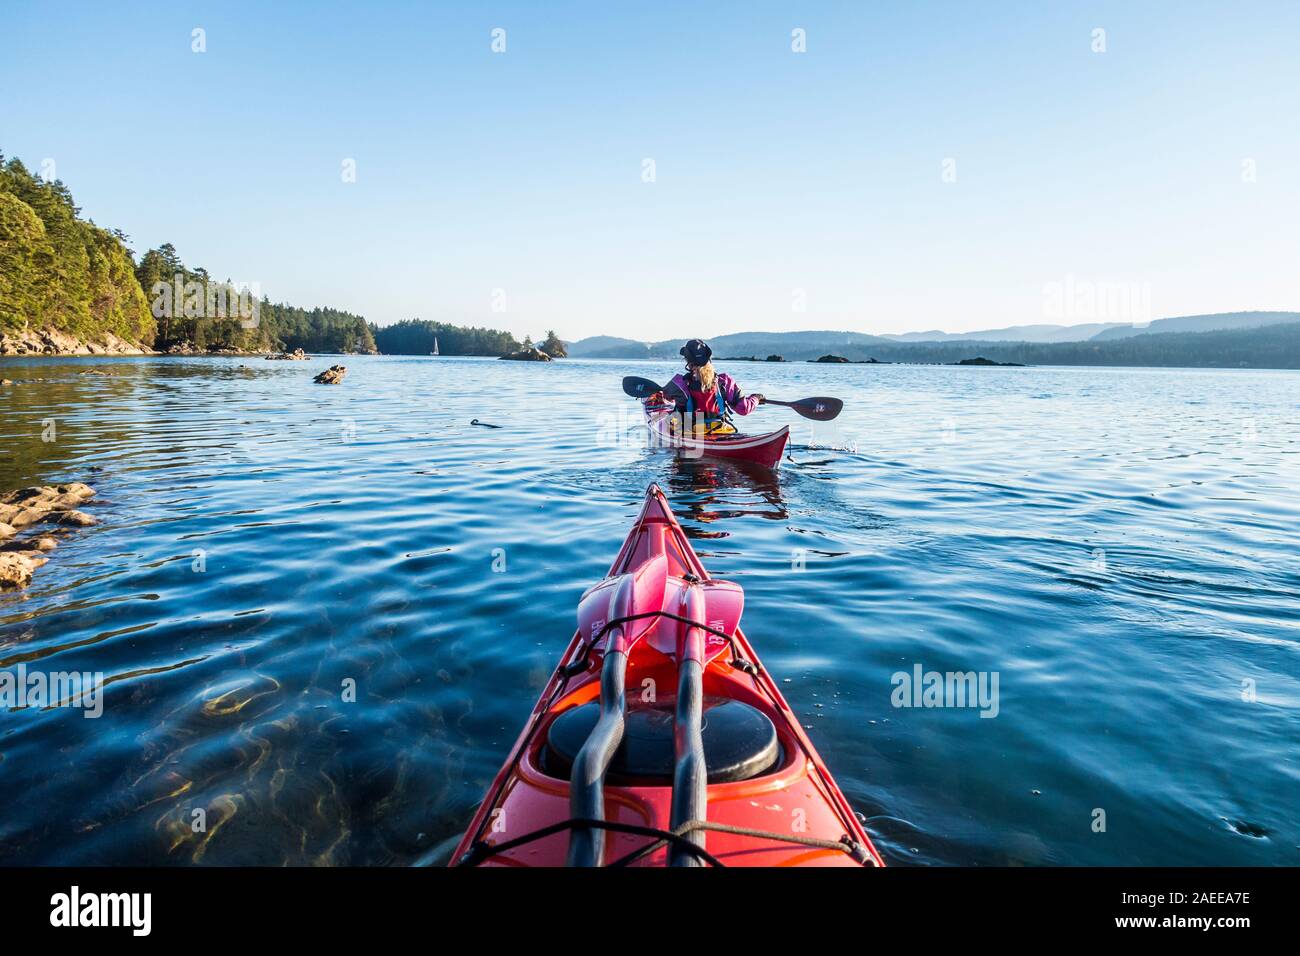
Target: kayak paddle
x: 639, y: 387
x: 818, y: 409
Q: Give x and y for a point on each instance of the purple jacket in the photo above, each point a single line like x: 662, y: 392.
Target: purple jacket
x: 736, y: 400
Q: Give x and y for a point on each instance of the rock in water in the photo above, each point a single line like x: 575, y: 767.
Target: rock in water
x: 19, y: 509
x: 16, y: 569
x: 332, y: 375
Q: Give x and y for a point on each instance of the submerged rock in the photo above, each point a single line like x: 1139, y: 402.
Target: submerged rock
x: 50, y: 504
x: 332, y: 375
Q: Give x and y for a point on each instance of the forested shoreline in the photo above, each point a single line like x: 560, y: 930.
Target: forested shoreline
x: 419, y: 336
x: 67, y: 284
x: 60, y: 273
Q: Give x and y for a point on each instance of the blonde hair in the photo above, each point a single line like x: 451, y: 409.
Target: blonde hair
x: 708, y: 377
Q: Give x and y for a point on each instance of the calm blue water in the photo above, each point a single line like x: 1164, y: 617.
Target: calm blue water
x: 1118, y: 546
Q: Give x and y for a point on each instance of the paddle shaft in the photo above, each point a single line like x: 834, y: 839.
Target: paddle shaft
x: 818, y: 409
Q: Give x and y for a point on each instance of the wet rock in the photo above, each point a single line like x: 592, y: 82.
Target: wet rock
x: 77, y: 519
x: 83, y: 491
x: 5, y: 381
x: 55, y: 504
x: 16, y: 569
x: 838, y: 359
x: 331, y: 376
x: 297, y: 355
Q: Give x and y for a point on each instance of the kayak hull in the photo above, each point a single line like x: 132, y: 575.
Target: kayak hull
x: 792, y: 793
x: 764, y: 450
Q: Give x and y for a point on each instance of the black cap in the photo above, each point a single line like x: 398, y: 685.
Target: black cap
x: 696, y: 351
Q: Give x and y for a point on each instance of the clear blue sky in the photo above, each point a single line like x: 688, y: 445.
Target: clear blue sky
x: 775, y: 171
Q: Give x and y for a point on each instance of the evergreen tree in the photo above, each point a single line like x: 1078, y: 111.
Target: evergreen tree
x: 553, y: 346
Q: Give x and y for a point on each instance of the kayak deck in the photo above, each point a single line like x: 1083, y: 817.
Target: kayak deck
x: 785, y: 801
x: 665, y: 425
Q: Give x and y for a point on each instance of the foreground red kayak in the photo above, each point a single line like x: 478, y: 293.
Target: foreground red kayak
x: 660, y: 739
x: 665, y: 425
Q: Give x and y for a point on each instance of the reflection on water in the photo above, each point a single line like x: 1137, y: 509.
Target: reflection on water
x: 708, y: 491
x: 322, y: 614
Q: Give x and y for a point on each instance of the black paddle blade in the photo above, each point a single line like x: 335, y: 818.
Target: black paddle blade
x: 639, y: 387
x: 818, y: 409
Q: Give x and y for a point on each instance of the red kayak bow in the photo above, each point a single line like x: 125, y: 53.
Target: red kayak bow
x: 660, y: 739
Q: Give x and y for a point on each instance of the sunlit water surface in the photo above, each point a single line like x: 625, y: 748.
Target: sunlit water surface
x: 1119, y: 547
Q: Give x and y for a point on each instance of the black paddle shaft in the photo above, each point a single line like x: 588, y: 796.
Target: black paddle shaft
x: 820, y: 409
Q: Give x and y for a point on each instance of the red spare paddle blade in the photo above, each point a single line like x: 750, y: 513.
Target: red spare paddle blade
x: 640, y: 591
x: 722, y: 606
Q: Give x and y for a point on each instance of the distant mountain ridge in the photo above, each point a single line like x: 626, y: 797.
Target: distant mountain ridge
x: 1221, y: 321
x: 1016, y: 333
x: 860, y: 346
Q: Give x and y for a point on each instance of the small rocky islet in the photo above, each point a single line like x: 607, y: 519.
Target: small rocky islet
x: 332, y: 375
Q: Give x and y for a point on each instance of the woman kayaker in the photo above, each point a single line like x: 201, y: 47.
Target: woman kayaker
x: 704, y: 393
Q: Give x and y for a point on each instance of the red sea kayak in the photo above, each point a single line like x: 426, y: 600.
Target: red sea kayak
x: 660, y: 739
x: 665, y: 425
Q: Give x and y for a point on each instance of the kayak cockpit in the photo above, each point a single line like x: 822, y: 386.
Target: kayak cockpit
x: 740, y: 743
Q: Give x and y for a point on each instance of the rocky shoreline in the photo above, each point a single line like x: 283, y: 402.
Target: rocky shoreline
x: 53, y: 342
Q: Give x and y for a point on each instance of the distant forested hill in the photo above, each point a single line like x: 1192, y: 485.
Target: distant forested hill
x: 1221, y: 321
x: 59, y: 272
x: 231, y: 323
x: 416, y: 337
x: 793, y: 345
x: 1267, y: 346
